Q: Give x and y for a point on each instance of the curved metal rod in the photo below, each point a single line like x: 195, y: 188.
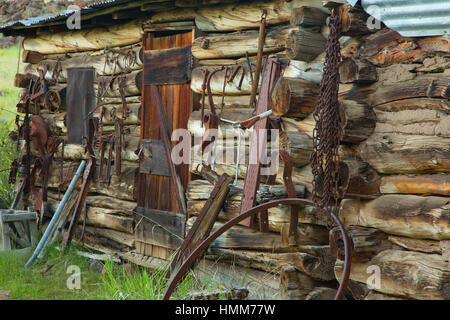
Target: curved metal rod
x: 213, y: 236
x: 347, y: 258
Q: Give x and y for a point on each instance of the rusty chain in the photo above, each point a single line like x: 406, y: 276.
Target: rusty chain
x: 328, y: 131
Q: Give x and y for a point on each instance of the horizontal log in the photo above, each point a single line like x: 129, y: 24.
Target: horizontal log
x: 113, y: 62
x: 428, y: 184
x: 358, y: 121
x: 217, y: 80
x: 365, y: 242
x: 107, y: 238
x: 311, y: 71
x: 118, y: 100
x: 425, y: 246
x: 387, y: 47
x: 416, y: 86
x: 108, y: 219
x: 201, y: 189
x: 123, y: 207
x: 404, y: 215
x: 133, y: 84
x: 295, y: 285
x: 222, y: 17
x: 111, y: 112
x: 123, y: 187
x: 244, y: 238
x: 413, y: 120
x: 405, y: 274
x: 317, y: 264
x: 395, y: 153
x: 85, y: 39
x: 111, y: 205
x: 218, y: 46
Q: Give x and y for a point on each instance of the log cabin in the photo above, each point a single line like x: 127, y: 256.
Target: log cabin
x: 395, y: 146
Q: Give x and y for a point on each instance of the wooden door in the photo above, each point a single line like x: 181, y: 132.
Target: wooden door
x: 159, y: 224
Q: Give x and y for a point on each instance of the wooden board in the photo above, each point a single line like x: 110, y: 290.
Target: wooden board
x: 156, y: 191
x: 169, y: 66
x: 159, y: 228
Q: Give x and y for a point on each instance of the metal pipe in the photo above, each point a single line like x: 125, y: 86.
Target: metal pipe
x: 55, y: 217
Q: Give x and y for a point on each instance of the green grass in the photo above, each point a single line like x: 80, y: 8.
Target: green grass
x: 8, y: 100
x: 8, y: 93
x: 46, y: 279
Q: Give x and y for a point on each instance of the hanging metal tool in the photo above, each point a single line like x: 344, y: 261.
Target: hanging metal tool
x: 87, y: 176
x: 118, y: 145
x: 259, y: 56
x: 210, y: 120
x: 106, y: 142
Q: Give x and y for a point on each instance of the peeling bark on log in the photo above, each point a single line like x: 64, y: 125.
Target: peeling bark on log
x: 404, y: 215
x: 386, y: 47
x: 405, y: 274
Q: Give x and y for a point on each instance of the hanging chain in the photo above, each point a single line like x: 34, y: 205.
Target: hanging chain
x: 328, y: 131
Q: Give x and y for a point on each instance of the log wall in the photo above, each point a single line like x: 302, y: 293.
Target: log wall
x: 394, y: 96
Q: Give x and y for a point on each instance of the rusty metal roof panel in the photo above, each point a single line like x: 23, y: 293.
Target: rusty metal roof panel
x: 412, y: 18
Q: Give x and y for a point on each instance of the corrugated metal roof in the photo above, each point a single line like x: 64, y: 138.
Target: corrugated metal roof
x: 412, y: 18
x: 48, y: 18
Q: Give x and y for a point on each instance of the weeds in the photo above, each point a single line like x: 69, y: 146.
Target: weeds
x: 8, y: 100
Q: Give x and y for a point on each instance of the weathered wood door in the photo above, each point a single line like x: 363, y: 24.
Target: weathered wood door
x: 159, y: 224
